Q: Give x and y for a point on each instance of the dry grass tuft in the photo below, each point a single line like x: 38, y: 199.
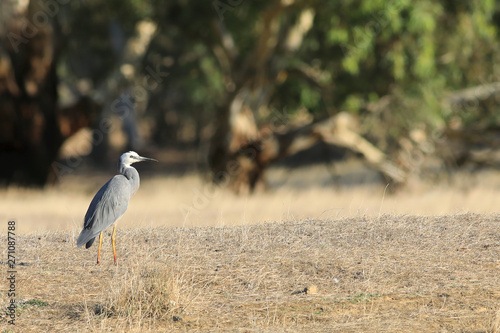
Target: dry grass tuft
x: 143, y: 293
x: 495, y: 327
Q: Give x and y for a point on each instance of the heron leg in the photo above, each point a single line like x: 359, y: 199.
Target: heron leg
x: 113, y: 242
x: 99, y: 250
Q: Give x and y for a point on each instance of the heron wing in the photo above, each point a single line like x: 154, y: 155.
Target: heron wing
x: 109, y: 204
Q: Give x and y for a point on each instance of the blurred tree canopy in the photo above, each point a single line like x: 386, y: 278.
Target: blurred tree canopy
x: 243, y: 74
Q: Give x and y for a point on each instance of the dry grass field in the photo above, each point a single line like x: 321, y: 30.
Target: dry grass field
x: 305, y: 256
x: 387, y: 274
x: 303, y: 193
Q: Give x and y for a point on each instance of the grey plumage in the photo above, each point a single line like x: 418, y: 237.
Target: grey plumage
x: 108, y: 205
x: 111, y: 201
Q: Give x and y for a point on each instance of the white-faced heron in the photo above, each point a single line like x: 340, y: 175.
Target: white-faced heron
x: 111, y: 202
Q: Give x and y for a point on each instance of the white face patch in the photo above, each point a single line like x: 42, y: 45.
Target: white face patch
x: 133, y: 154
x: 129, y: 157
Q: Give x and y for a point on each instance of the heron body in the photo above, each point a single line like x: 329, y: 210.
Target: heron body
x: 111, y: 202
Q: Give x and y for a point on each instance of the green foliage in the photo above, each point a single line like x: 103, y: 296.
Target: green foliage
x: 414, y: 51
x: 32, y: 303
x: 309, y: 97
x: 21, y: 307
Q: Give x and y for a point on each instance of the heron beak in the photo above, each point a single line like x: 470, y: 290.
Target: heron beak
x: 146, y: 159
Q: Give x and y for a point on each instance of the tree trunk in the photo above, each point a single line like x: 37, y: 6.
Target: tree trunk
x: 235, y: 123
x: 30, y: 136
x: 240, y: 153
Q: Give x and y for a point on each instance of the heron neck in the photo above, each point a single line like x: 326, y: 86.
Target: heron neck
x: 133, y: 177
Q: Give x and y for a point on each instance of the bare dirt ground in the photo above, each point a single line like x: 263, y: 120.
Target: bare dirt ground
x: 379, y: 274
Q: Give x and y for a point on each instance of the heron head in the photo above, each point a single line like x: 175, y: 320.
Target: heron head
x: 131, y: 157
